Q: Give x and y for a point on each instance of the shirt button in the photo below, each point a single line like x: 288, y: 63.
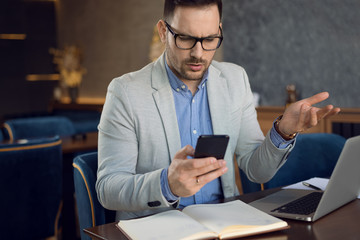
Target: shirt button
x: 183, y: 86
x: 178, y: 89
x: 283, y: 145
x: 194, y: 131
x: 193, y: 100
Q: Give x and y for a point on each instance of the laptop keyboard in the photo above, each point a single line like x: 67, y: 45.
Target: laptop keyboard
x: 304, y: 205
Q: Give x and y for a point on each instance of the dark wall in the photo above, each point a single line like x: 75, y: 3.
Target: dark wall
x: 115, y: 37
x: 312, y: 44
x: 28, y: 56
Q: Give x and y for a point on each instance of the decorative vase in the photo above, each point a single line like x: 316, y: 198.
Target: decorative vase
x: 73, y: 94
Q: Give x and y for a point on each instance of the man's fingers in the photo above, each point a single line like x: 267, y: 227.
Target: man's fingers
x: 327, y: 111
x: 321, y: 113
x: 204, y: 162
x: 313, y: 117
x: 302, y: 117
x: 200, y: 166
x: 208, y: 177
x: 185, y: 152
x: 186, y: 177
x: 334, y: 112
x: 210, y: 167
x: 331, y: 111
x: 317, y: 98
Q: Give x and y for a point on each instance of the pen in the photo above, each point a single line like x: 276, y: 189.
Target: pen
x: 311, y: 186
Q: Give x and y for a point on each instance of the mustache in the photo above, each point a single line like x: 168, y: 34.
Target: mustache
x: 194, y: 60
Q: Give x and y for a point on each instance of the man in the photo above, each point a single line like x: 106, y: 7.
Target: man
x: 152, y: 118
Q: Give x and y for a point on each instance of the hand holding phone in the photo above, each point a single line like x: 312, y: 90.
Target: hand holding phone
x: 211, y: 146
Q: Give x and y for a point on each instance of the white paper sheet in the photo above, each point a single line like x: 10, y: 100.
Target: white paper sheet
x: 317, y: 182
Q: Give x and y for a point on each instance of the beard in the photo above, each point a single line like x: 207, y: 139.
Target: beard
x: 181, y: 67
x: 188, y: 74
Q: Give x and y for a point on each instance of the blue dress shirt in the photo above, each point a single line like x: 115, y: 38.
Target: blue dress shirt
x: 193, y: 116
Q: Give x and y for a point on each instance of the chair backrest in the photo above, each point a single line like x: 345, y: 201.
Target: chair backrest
x: 1, y: 135
x: 314, y: 155
x: 35, y: 127
x: 84, y: 121
x: 247, y: 185
x: 90, y: 211
x: 31, y: 186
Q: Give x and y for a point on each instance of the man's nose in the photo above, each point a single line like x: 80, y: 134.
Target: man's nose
x: 197, y: 50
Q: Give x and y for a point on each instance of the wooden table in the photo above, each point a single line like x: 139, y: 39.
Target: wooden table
x: 87, y: 142
x: 341, y: 224
x: 82, y: 103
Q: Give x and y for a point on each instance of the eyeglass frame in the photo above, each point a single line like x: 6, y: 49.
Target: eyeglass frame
x: 175, y: 35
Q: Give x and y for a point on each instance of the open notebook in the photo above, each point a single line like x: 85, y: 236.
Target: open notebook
x: 203, y: 221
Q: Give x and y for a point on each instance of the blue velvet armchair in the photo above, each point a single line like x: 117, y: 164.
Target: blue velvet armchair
x: 1, y: 135
x: 31, y: 186
x: 84, y: 121
x: 35, y: 127
x: 314, y: 155
x: 90, y: 211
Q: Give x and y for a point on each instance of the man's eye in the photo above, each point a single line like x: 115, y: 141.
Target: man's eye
x: 185, y: 38
x: 209, y: 40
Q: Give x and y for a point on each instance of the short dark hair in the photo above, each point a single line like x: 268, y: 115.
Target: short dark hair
x: 170, y: 5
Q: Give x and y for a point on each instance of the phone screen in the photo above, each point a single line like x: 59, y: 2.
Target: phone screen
x: 211, y: 146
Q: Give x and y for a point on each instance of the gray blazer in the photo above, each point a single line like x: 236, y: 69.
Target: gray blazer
x: 139, y: 136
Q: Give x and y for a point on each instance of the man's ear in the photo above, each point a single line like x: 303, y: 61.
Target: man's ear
x: 162, y: 30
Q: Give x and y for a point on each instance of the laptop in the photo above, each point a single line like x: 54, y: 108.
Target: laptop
x: 343, y: 187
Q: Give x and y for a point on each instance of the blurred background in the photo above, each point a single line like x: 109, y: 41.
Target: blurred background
x: 57, y: 58
x: 114, y: 37
x: 312, y: 45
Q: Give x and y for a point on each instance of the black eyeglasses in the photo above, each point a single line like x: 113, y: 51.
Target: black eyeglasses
x: 186, y: 42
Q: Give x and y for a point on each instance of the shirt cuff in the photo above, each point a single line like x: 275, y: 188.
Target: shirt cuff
x: 277, y: 140
x: 165, y: 188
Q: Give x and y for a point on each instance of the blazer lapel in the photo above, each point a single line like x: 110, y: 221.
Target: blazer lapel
x: 219, y: 102
x: 164, y: 101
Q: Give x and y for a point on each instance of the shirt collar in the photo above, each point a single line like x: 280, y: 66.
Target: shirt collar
x: 178, y: 85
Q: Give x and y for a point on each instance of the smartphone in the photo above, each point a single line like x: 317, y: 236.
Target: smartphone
x: 211, y: 146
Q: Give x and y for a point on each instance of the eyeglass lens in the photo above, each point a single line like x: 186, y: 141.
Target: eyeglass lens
x: 188, y: 42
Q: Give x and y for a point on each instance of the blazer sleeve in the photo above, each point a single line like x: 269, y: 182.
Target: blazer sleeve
x: 257, y: 156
